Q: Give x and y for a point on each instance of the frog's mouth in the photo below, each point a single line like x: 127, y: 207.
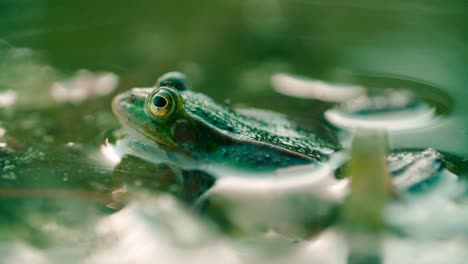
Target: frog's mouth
x: 129, y: 109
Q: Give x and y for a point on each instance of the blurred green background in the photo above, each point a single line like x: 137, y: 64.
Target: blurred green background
x: 230, y: 48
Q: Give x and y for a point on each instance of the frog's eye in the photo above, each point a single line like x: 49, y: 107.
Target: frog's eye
x: 162, y: 104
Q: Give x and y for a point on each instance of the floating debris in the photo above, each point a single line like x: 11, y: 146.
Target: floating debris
x: 21, y: 252
x: 25, y: 73
x: 83, y: 85
x: 390, y: 109
x: 7, y: 98
x: 293, y: 203
x: 158, y: 229
x: 110, y: 152
x: 314, y: 89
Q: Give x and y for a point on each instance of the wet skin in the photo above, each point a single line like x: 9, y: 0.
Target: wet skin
x: 186, y: 122
x: 181, y: 121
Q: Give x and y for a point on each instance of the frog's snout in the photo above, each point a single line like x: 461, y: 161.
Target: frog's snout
x: 126, y: 103
x: 138, y: 95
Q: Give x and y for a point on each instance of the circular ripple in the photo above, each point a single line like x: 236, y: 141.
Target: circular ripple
x: 391, y: 103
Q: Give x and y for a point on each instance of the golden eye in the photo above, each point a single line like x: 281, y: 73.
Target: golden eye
x: 161, y: 104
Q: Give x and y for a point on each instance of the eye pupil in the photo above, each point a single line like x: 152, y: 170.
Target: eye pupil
x: 159, y: 101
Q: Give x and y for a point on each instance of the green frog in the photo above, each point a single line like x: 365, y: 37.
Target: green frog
x: 181, y: 121
x: 185, y: 122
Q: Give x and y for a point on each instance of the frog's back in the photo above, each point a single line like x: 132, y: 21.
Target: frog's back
x: 260, y: 129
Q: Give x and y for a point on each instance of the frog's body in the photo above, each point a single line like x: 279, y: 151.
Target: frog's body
x: 193, y: 124
x: 182, y: 121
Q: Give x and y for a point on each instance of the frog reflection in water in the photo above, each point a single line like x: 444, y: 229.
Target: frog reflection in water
x: 182, y: 121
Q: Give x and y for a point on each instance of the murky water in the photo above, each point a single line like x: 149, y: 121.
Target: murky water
x: 72, y: 187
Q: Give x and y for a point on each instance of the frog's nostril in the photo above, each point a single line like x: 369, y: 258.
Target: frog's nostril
x: 131, y: 98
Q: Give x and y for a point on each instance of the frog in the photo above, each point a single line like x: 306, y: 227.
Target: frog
x: 187, y: 123
x: 295, y: 202
x: 174, y: 118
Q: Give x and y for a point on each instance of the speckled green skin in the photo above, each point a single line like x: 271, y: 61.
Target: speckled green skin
x: 205, y: 130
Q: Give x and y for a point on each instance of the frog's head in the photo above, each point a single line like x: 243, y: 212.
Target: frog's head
x: 159, y: 115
